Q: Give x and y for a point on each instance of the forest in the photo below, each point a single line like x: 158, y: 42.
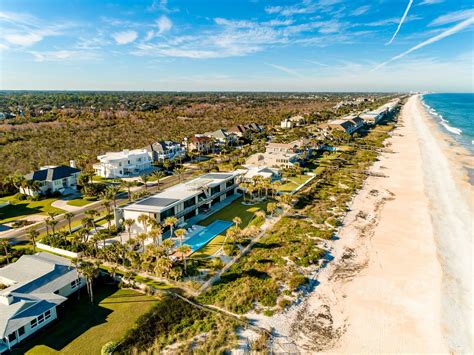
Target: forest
x: 51, y: 128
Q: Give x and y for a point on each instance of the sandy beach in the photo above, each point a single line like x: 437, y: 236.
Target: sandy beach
x: 400, y: 280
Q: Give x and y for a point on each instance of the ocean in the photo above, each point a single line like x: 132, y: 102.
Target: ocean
x: 455, y: 113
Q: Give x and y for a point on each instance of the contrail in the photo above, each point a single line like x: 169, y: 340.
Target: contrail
x: 401, y: 22
x: 453, y: 30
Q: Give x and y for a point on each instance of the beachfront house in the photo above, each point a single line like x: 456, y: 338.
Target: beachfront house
x: 250, y: 171
x: 183, y: 201
x: 34, y: 287
x: 52, y: 179
x: 348, y: 124
x: 199, y: 143
x: 278, y: 155
x: 165, y: 150
x: 221, y: 137
x: 123, y: 164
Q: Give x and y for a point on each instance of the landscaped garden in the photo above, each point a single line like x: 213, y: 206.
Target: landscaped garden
x: 80, y: 202
x: 246, y: 214
x: 23, y: 208
x: 293, y: 182
x: 83, y: 328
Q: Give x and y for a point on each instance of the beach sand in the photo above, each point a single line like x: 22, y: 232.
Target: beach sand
x: 400, y: 280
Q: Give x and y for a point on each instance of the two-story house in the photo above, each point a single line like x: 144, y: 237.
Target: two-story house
x: 34, y: 287
x: 183, y: 201
x: 122, y: 164
x: 165, y: 150
x: 52, y: 179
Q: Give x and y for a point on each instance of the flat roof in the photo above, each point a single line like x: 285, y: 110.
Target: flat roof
x: 180, y: 192
x: 157, y: 202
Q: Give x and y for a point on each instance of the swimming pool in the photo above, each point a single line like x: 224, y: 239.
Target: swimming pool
x: 203, y: 237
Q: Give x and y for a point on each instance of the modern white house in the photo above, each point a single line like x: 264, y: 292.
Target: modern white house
x: 183, y: 201
x: 122, y: 164
x: 277, y: 155
x: 34, y: 287
x: 286, y: 124
x: 251, y: 171
x: 165, y: 150
x: 52, y: 179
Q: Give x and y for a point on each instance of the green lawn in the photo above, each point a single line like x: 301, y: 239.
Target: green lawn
x: 83, y: 328
x: 18, y: 209
x: 79, y: 202
x: 294, y: 182
x: 235, y: 209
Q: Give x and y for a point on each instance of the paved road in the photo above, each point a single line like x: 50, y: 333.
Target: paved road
x: 19, y: 235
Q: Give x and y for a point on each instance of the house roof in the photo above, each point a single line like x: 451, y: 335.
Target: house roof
x: 173, y: 195
x: 199, y: 139
x: 219, y: 134
x: 52, y: 173
x: 160, y: 146
x: 32, y: 281
x: 124, y: 154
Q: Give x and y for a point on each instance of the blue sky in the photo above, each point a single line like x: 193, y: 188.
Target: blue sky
x: 276, y: 45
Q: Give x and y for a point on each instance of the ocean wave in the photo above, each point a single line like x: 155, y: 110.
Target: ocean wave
x: 443, y: 121
x: 451, y: 129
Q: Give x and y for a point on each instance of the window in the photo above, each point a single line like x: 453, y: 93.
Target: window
x: 189, y: 203
x: 41, y: 319
x: 12, y: 336
x: 21, y: 331
x: 47, y: 314
x: 34, y: 323
x: 75, y: 283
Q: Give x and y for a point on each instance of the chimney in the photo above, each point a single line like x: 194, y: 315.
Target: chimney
x: 72, y: 163
x: 6, y: 299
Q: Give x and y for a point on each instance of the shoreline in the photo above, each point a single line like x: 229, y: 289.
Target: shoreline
x: 385, y: 289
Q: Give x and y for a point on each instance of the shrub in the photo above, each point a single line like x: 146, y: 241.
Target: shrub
x: 283, y: 303
x: 108, y: 348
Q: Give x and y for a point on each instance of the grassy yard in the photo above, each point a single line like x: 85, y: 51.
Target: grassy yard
x: 18, y: 209
x: 79, y: 202
x: 293, y: 183
x: 235, y: 209
x: 84, y: 328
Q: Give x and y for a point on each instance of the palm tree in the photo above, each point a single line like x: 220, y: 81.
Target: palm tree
x: 163, y: 266
x: 33, y: 234
x: 271, y: 208
x: 170, y: 222
x: 89, y: 271
x: 109, y: 218
x: 112, y: 192
x: 128, y: 184
x: 52, y: 223
x: 144, y: 219
x: 167, y: 245
x: 68, y: 216
x: 184, y: 250
x: 158, y: 175
x: 237, y: 221
x: 4, y: 245
x: 141, y: 237
x: 156, y: 233
x: 128, y: 224
x: 180, y: 234
x: 180, y: 171
x: 145, y: 179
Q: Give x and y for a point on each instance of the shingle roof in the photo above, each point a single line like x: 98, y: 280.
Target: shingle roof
x: 52, y: 173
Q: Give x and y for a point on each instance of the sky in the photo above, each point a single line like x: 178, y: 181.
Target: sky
x: 237, y: 45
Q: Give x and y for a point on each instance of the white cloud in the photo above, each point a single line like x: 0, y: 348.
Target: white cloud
x: 410, y: 2
x: 453, y: 30
x: 317, y: 63
x: 23, y: 40
x: 452, y: 17
x: 125, y: 37
x: 164, y: 24
x: 360, y: 10
x: 62, y: 55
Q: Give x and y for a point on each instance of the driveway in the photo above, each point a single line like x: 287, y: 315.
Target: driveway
x: 62, y: 204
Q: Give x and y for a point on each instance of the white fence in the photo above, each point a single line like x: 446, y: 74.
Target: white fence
x: 63, y: 252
